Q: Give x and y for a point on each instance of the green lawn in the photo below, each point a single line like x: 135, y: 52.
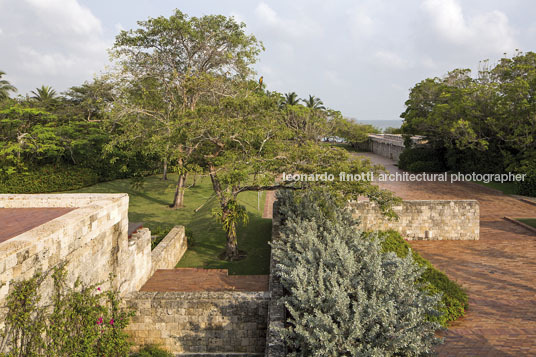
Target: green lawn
x: 150, y: 206
x: 508, y: 188
x: 530, y: 221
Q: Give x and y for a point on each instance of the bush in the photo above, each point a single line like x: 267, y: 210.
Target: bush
x: 151, y: 351
x: 527, y: 187
x: 345, y: 295
x: 49, y: 178
x: 453, y: 297
x: 421, y: 159
x: 79, y: 321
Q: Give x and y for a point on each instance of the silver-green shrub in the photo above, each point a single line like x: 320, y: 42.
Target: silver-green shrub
x: 344, y: 296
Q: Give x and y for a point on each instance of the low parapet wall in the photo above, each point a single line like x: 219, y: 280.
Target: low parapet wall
x: 170, y: 250
x: 423, y: 220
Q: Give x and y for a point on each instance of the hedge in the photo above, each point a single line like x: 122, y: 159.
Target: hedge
x: 421, y: 159
x: 49, y: 178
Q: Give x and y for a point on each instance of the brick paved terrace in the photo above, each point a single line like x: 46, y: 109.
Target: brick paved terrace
x: 498, y: 271
x: 15, y: 221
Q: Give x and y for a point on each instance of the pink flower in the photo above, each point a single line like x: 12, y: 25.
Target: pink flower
x: 112, y: 322
x: 99, y: 321
x: 98, y: 289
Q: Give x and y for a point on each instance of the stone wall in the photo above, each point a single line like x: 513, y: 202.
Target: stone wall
x: 200, y: 322
x: 424, y: 220
x: 170, y: 250
x: 275, y: 346
x: 92, y: 240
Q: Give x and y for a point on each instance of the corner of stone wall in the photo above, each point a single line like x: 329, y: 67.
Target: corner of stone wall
x: 135, y: 262
x: 275, y: 346
x: 170, y: 250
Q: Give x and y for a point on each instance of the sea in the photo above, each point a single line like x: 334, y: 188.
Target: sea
x: 382, y: 124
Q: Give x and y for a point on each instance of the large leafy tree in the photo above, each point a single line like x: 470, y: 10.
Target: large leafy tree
x: 5, y: 87
x: 247, y: 145
x: 170, y: 65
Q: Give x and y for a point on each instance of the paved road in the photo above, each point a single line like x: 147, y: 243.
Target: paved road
x: 498, y: 271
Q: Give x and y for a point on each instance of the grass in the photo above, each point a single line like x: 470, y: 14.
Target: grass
x: 150, y: 205
x: 530, y: 221
x: 508, y: 188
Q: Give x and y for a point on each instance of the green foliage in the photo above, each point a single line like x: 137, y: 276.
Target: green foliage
x: 152, y: 351
x: 5, y: 87
x: 79, y: 321
x: 453, y: 297
x: 345, y: 295
x: 48, y: 178
x: 420, y: 159
x: 527, y: 187
x: 351, y: 131
x: 482, y: 124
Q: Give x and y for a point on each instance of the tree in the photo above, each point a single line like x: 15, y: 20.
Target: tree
x: 314, y: 103
x: 351, y: 131
x: 5, y: 87
x: 247, y: 145
x: 291, y: 98
x: 168, y: 66
x: 44, y: 95
x: 345, y: 297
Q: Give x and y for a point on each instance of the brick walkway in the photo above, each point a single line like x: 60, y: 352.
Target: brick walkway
x: 15, y: 221
x: 498, y: 271
x: 194, y: 279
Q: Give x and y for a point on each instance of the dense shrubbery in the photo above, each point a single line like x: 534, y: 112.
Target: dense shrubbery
x: 79, y: 321
x: 482, y: 123
x: 49, y: 178
x: 345, y: 295
x: 527, y: 187
x: 454, y: 299
x: 421, y: 159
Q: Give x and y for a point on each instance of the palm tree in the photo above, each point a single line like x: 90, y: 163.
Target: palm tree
x: 44, y: 94
x: 5, y: 87
x: 291, y: 99
x: 314, y: 103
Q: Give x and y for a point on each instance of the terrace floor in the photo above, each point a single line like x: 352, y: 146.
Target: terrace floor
x: 15, y: 221
x: 498, y: 271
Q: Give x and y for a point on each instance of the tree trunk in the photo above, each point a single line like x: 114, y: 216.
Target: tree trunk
x: 195, y: 180
x: 164, y: 174
x: 178, y: 200
x: 231, y: 250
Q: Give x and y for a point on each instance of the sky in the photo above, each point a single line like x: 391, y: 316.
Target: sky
x: 360, y: 57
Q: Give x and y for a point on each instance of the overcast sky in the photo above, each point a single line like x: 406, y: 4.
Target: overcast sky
x: 360, y: 57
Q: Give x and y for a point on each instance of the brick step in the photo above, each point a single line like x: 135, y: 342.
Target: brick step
x: 196, y: 279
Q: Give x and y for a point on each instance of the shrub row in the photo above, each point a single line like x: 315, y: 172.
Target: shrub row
x: 421, y: 159
x: 48, y: 178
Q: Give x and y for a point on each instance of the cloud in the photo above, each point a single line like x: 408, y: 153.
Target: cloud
x: 53, y: 42
x: 484, y: 32
x: 297, y: 27
x: 391, y: 59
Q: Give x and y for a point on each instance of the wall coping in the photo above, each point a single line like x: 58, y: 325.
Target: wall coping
x: 87, y: 207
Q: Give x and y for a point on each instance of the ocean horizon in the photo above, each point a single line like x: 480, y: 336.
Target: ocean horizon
x: 382, y: 124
